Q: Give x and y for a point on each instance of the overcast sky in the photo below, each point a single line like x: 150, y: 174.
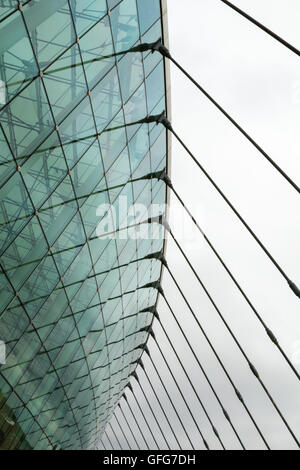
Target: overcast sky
x: 257, y: 80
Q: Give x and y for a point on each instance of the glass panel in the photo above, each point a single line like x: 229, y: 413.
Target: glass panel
x: 113, y: 3
x: 32, y: 104
x: 124, y: 24
x: 51, y: 27
x: 65, y: 82
x: 8, y: 7
x: 17, y: 62
x: 149, y: 12
x: 94, y: 53
x: 65, y: 152
x: 130, y: 73
x: 106, y: 100
x: 86, y: 13
x: 155, y: 86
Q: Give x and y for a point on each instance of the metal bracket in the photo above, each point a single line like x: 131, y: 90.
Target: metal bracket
x: 159, y: 47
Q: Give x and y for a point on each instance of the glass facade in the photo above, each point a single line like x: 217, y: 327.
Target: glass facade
x: 70, y: 302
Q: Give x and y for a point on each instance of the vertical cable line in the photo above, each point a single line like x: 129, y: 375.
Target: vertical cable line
x: 151, y: 409
x: 110, y: 443
x: 135, y: 420
x: 109, y: 200
x: 122, y: 431
x: 216, y: 355
x: 225, y: 413
x: 161, y: 406
x: 170, y: 400
x: 128, y: 425
x: 143, y: 415
x: 181, y: 393
x: 115, y: 241
x: 235, y: 340
x: 103, y: 445
x: 115, y: 436
x: 191, y: 383
x: 254, y: 371
x: 73, y: 20
x: 131, y: 185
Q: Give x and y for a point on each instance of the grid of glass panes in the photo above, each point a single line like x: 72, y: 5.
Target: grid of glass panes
x: 70, y: 300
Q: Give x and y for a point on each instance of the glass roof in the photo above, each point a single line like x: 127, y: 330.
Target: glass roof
x: 69, y: 299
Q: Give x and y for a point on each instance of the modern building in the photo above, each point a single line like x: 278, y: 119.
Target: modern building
x: 74, y: 312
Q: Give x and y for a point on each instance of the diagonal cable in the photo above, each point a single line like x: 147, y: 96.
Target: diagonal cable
x: 262, y: 27
x: 291, y: 284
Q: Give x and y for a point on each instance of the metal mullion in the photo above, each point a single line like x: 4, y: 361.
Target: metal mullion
x: 16, y: 120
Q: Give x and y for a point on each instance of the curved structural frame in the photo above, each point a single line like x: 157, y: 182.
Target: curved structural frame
x: 75, y: 307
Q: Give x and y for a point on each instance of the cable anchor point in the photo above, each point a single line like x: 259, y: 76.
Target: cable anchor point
x: 135, y: 376
x: 159, y: 219
x: 159, y: 256
x: 139, y: 362
x: 161, y: 175
x: 158, y: 119
x: 152, y: 310
x: 153, y: 285
x: 159, y: 47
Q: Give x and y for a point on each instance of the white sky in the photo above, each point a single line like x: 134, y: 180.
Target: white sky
x: 257, y: 80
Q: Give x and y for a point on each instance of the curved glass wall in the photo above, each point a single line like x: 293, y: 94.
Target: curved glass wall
x: 71, y: 326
